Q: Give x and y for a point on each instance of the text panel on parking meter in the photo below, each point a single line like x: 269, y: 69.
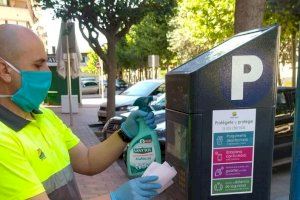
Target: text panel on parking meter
x: 233, y: 137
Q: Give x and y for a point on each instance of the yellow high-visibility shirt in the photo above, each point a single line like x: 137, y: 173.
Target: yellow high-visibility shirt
x: 34, y: 157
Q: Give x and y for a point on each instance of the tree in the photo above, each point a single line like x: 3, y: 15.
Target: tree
x: 150, y: 37
x: 113, y: 19
x: 248, y: 15
x: 91, y: 68
x: 287, y: 15
x: 146, y: 38
x: 200, y: 25
x: 128, y: 54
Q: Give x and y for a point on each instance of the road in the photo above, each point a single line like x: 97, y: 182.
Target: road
x: 280, y: 187
x: 94, y: 99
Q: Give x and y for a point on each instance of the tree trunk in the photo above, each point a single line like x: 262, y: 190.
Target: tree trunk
x: 112, y: 72
x: 279, y: 76
x: 120, y: 73
x: 248, y: 14
x: 140, y: 74
x: 129, y: 76
x: 146, y: 73
x: 294, y: 58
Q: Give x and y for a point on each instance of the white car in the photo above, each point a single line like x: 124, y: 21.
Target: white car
x: 89, y: 87
x: 125, y: 100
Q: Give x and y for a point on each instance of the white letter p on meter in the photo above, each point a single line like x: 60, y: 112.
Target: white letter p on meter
x: 239, y: 77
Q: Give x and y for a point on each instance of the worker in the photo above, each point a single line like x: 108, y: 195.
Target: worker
x: 38, y: 152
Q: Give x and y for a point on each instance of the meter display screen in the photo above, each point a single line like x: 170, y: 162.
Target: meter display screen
x: 177, y: 140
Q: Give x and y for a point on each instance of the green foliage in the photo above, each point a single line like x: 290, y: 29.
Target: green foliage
x: 128, y: 54
x: 200, y: 25
x: 111, y: 18
x: 91, y: 64
x: 146, y: 38
x: 287, y: 16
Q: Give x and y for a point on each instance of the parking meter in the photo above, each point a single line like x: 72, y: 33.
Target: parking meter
x: 220, y: 119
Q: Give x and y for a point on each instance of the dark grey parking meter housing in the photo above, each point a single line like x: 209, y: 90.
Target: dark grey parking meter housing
x: 220, y: 119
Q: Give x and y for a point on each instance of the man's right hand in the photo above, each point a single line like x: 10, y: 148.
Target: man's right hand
x: 141, y: 188
x: 131, y: 126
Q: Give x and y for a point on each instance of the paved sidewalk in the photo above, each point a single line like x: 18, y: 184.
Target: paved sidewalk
x: 110, y: 179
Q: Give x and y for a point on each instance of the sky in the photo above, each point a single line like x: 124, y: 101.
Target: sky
x: 52, y: 27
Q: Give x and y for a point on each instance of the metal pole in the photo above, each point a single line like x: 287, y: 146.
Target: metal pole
x: 295, y: 174
x: 69, y: 81
x: 101, y: 77
x: 102, y: 80
x: 153, y: 66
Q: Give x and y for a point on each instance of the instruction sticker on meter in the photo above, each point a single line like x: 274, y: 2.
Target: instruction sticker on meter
x: 233, y: 138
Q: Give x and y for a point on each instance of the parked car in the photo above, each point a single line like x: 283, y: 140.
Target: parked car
x: 158, y: 107
x: 86, y: 79
x: 284, y: 126
x: 89, y: 87
x: 283, y: 133
x: 121, y: 84
x: 125, y: 100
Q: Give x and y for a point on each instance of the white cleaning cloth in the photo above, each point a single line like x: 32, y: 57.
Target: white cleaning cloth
x: 164, y: 172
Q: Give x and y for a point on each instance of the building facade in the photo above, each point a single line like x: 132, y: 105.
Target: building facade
x: 23, y: 13
x: 17, y: 12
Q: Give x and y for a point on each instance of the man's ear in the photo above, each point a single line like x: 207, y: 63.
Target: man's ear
x: 5, y: 72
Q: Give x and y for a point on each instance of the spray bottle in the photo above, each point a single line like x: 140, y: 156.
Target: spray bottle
x: 144, y: 148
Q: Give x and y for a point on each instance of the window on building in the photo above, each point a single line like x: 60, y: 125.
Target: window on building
x: 20, y: 4
x: 3, y: 2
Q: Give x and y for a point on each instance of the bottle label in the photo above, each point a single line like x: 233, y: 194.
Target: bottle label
x: 142, y: 155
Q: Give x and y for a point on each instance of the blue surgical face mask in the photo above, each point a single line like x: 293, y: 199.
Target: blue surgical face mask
x: 34, y: 88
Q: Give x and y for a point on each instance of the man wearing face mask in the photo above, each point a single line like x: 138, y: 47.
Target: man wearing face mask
x: 38, y: 153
